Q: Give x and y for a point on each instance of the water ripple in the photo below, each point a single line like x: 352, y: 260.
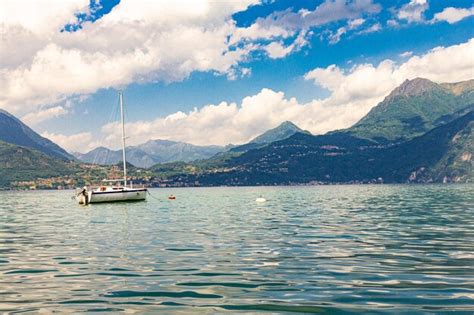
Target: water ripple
x: 332, y: 249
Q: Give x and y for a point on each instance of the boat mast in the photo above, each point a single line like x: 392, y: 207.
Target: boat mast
x: 122, y: 114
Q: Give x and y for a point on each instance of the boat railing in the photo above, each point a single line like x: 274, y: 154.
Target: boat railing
x: 119, y: 181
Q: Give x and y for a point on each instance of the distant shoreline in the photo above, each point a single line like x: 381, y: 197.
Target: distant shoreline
x: 268, y: 186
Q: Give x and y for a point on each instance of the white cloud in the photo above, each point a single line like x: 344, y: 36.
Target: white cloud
x: 353, y: 92
x: 406, y: 54
x: 141, y: 41
x: 285, y: 24
x: 453, y: 15
x: 355, y: 23
x: 392, y: 23
x: 413, y: 11
x: 222, y: 123
x: 80, y: 142
x: 257, y: 31
x: 240, y: 72
x: 336, y: 37
x: 45, y: 114
x: 138, y: 41
x: 277, y: 50
x: 364, y: 85
x: 371, y: 29
x: 40, y: 16
x: 329, y: 11
x: 27, y: 31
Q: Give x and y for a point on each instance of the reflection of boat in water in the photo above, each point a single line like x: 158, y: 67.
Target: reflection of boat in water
x: 117, y: 192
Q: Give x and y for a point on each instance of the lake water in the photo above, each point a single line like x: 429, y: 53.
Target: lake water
x: 327, y: 249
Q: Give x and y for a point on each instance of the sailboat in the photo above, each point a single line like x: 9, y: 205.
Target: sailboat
x: 112, y: 190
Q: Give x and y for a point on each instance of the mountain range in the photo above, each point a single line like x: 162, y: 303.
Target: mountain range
x: 150, y: 153
x: 444, y: 154
x: 26, y: 156
x: 421, y: 132
x: 165, y: 151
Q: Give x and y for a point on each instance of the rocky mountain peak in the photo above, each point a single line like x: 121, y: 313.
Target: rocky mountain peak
x: 414, y: 87
x: 458, y: 88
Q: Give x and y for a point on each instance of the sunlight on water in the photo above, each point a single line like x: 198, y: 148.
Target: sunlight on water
x: 343, y: 249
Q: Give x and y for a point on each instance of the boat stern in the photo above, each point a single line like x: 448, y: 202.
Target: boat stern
x: 83, y: 197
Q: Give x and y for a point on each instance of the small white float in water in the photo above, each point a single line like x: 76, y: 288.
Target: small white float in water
x: 260, y: 199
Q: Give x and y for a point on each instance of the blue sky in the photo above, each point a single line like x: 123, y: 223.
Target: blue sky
x: 372, y: 31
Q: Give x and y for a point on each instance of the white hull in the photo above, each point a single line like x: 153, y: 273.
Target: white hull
x: 128, y: 194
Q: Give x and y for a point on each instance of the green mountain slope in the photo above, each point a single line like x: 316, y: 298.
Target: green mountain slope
x: 22, y: 164
x: 456, y: 163
x: 13, y: 131
x: 412, y: 109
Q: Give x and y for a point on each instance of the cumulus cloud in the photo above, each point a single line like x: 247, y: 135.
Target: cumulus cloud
x: 277, y: 50
x: 453, y: 15
x: 80, y: 142
x: 364, y: 85
x: 42, y: 115
x: 413, y: 11
x: 136, y: 42
x: 353, y: 92
x: 226, y: 123
x: 141, y: 41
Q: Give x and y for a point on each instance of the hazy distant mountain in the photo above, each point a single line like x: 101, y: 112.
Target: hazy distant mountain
x: 281, y: 132
x: 13, y: 131
x: 150, y: 153
x: 166, y: 151
x: 412, y: 109
x: 100, y: 155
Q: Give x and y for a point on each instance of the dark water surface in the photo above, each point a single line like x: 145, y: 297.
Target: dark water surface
x: 331, y: 249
